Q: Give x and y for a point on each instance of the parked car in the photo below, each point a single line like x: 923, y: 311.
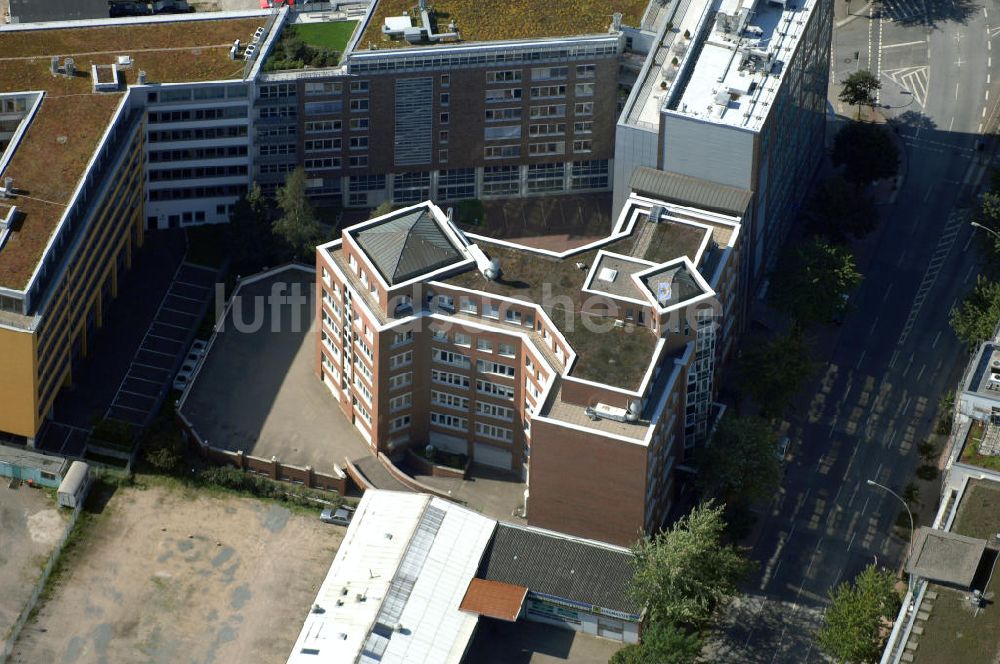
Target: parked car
x: 339, y: 517
x: 171, y: 7
x: 193, y: 358
x: 120, y: 9
x: 782, y: 449
x: 199, y: 346
x: 181, y: 380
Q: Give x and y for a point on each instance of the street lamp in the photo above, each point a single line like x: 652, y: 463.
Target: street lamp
x: 976, y: 224
x: 909, y: 549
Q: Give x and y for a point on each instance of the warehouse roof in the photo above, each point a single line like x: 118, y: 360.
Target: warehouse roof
x: 690, y: 191
x: 560, y: 566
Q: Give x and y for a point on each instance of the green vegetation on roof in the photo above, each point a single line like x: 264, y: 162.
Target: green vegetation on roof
x: 310, y: 45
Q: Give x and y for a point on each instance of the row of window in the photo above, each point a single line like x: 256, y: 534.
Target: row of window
x: 232, y: 170
x: 199, y: 134
x: 540, y: 74
x: 188, y: 115
x: 198, y: 154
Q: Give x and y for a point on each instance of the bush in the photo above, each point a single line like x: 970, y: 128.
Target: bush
x: 911, y: 493
x: 927, y: 450
x: 927, y: 472
x: 113, y: 433
x: 263, y: 487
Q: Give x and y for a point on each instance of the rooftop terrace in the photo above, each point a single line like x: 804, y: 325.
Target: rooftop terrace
x: 955, y: 632
x: 985, y: 377
x: 494, y: 20
x: 53, y: 154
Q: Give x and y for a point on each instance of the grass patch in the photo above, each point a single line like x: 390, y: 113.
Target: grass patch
x: 311, y: 45
x: 970, y: 452
x: 333, y: 36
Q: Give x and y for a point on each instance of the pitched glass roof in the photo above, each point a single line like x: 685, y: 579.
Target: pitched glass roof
x: 407, y: 246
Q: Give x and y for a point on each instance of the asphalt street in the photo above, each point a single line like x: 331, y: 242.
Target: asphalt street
x: 883, y: 372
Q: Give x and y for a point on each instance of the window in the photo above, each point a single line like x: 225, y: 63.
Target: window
x: 359, y: 86
x: 490, y: 367
x: 545, y: 177
x: 450, y: 421
x: 492, y: 410
x: 548, y: 91
x: 505, y: 76
x: 549, y: 129
x: 504, y: 94
x: 586, y: 127
x: 448, y: 378
x: 323, y: 88
x: 462, y: 339
x: 503, y: 133
x: 401, y: 402
x: 399, y: 423
x: 446, y: 302
x: 322, y: 126
x: 359, y: 142
x: 359, y: 161
x: 443, y: 136
x: 584, y: 108
x: 552, y: 147
x: 363, y: 389
x: 549, y: 73
x: 584, y: 89
x: 401, y: 338
x: 501, y: 181
x: 484, y: 345
x: 553, y: 111
x: 321, y: 164
x: 586, y: 71
x: 445, y: 80
x: 502, y: 114
x: 512, y: 316
x: 364, y: 370
x: 401, y: 360
x: 507, y: 350
x: 443, y: 98
x: 494, y: 432
x: 443, y: 118
x: 359, y: 124
x: 321, y: 145
x: 495, y: 389
x: 449, y: 400
x: 359, y: 105
x: 502, y: 151
x: 589, y: 175
x: 400, y: 380
x: 320, y: 108
x: 411, y: 187
x: 582, y: 146
x: 449, y: 357
x: 468, y: 306
x: 443, y: 156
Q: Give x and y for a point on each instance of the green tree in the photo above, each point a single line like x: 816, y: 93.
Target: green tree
x: 839, y: 209
x: 988, y: 215
x: 860, y: 89
x: 297, y: 226
x: 739, y: 464
x: 812, y: 281
x: 662, y: 643
x: 251, y: 239
x: 975, y: 320
x: 382, y: 209
x: 682, y: 575
x: 772, y: 372
x: 855, y: 625
x: 867, y: 153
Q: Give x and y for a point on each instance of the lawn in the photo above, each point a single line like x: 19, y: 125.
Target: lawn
x: 333, y: 36
x: 970, y: 453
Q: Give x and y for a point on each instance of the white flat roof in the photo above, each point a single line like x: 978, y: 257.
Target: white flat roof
x: 406, y: 558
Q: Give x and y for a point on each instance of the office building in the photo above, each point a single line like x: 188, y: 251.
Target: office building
x: 588, y: 372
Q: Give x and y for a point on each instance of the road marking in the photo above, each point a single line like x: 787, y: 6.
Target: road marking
x: 984, y: 111
x: 936, y: 338
x: 851, y: 543
x: 909, y: 43
x: 861, y: 359
x: 987, y: 96
x: 922, y: 367
x: 892, y: 437
x: 956, y: 90
x: 895, y: 356
x: 951, y: 125
x: 968, y: 276
x: 913, y: 79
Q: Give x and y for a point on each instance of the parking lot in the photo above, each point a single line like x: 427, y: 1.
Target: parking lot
x: 166, y: 574
x: 256, y: 390
x: 31, y: 525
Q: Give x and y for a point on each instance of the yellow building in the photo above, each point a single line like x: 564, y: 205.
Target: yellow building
x: 73, y: 172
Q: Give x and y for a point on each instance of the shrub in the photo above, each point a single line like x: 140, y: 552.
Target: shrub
x: 927, y: 450
x: 927, y: 472
x: 113, y: 433
x: 263, y: 487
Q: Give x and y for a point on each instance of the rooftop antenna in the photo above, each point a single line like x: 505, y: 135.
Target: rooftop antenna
x: 70, y: 67
x: 54, y: 65
x: 616, y: 22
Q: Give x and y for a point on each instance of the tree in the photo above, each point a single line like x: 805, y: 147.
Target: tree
x: 839, y: 209
x: 867, y: 153
x: 382, y: 209
x: 250, y: 233
x: 662, y: 643
x: 773, y: 372
x: 739, y: 464
x: 682, y: 575
x: 860, y: 89
x: 855, y: 625
x: 976, y: 319
x: 812, y: 281
x: 988, y: 215
x: 297, y: 225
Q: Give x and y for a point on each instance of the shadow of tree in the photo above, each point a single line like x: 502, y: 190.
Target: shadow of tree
x: 936, y: 12
x: 914, y: 120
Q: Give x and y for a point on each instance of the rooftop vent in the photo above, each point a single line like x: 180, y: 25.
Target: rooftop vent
x: 493, y: 271
x: 124, y: 61
x: 142, y: 77
x: 7, y: 190
x: 655, y: 213
x: 607, y: 274
x: 69, y: 67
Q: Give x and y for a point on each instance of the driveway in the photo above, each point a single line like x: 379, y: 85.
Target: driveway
x: 256, y: 390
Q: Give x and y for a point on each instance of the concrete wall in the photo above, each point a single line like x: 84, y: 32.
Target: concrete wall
x: 634, y: 147
x: 714, y: 152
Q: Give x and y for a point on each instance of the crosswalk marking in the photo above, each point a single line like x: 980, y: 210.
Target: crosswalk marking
x: 913, y: 79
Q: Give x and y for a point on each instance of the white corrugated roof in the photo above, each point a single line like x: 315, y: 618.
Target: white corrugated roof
x: 433, y: 552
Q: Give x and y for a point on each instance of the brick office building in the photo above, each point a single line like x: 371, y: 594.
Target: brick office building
x: 588, y: 372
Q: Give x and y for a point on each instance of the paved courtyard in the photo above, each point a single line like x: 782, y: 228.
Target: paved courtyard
x: 256, y: 390
x: 30, y: 527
